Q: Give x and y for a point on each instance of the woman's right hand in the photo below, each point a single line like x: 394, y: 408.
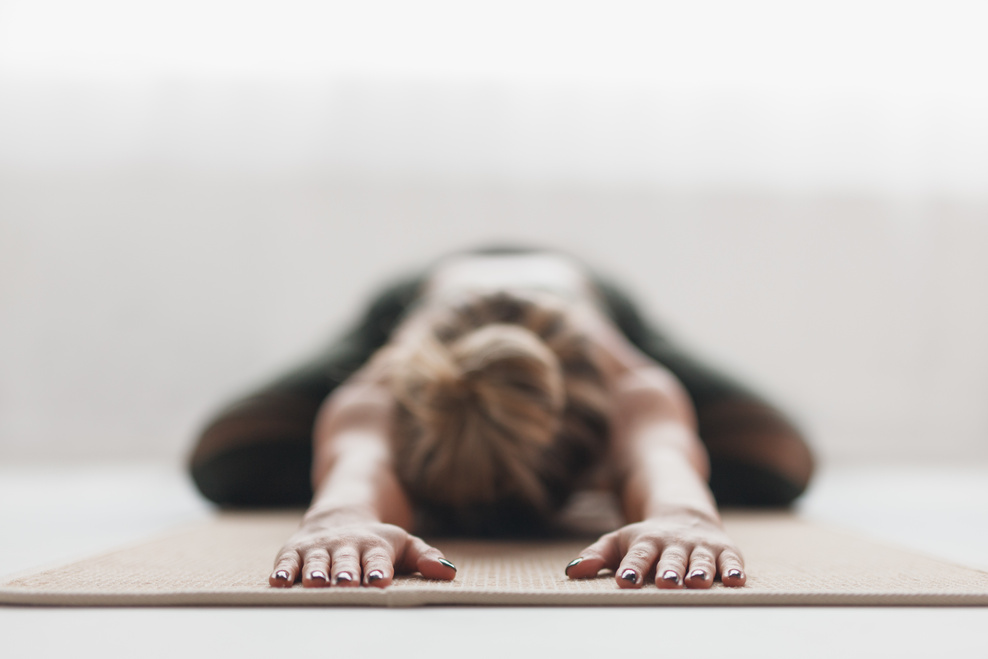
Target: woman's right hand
x: 352, y: 551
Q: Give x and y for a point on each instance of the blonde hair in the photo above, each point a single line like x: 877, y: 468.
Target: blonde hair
x: 500, y: 407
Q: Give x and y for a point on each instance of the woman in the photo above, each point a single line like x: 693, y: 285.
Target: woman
x: 478, y: 397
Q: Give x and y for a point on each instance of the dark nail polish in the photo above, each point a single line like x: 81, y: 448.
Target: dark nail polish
x: 318, y: 575
x: 344, y: 577
x: 572, y: 563
x: 374, y: 575
x: 281, y: 575
x: 630, y: 576
x: 698, y: 574
x: 447, y: 563
x: 735, y: 573
x: 671, y: 576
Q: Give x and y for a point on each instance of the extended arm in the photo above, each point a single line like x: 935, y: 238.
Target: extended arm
x: 355, y: 530
x: 660, y: 474
x: 660, y: 463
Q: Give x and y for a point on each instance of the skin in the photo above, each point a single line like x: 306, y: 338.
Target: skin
x: 356, y: 531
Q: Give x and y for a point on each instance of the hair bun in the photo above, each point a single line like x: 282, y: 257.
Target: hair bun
x: 499, y: 403
x: 514, y: 377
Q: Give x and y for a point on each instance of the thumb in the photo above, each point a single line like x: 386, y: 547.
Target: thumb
x: 603, y: 554
x: 422, y: 557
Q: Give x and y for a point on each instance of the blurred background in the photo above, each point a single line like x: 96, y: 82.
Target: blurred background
x: 196, y: 194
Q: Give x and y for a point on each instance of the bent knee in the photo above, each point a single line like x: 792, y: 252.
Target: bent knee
x: 266, y: 474
x: 736, y: 483
x: 257, y: 453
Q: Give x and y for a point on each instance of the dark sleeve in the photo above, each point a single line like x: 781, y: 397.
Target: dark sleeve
x: 757, y: 454
x: 257, y: 451
x: 704, y: 383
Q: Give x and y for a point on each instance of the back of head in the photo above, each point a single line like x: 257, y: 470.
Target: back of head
x: 500, y: 406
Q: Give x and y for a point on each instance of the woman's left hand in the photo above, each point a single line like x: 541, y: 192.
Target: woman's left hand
x: 679, y: 549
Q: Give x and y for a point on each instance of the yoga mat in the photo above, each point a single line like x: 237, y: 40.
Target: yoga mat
x: 226, y: 562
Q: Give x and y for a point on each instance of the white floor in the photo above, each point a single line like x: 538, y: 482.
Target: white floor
x: 50, y: 515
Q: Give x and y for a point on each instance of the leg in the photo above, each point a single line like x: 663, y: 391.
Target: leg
x: 258, y: 451
x: 757, y: 456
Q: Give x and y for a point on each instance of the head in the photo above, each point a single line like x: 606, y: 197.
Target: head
x: 501, y: 406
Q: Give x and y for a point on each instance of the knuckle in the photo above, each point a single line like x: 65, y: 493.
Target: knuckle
x: 386, y: 540
x: 290, y: 551
x: 287, y: 555
x: 377, y: 554
x: 734, y: 553
x: 347, y: 554
x: 287, y: 563
x: 639, y: 555
x: 730, y: 556
x: 674, y: 553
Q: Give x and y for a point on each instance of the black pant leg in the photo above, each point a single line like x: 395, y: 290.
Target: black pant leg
x: 757, y: 455
x: 257, y: 451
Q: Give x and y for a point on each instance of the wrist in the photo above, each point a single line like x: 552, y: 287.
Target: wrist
x: 685, y: 512
x: 336, y: 515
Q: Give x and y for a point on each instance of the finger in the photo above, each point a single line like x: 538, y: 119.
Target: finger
x: 346, y: 566
x: 671, y: 567
x: 603, y: 554
x: 315, y: 572
x: 731, y: 568
x: 286, y: 569
x: 637, y: 563
x: 426, y: 559
x: 378, y: 565
x: 701, y: 569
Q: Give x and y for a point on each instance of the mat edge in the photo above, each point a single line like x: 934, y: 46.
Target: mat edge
x: 482, y: 598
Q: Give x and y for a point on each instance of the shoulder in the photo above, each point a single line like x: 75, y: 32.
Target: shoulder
x: 628, y: 372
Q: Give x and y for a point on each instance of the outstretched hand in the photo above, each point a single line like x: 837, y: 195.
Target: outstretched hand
x: 354, y: 553
x: 682, y: 549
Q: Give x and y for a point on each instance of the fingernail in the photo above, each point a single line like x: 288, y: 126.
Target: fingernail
x: 318, y: 575
x: 671, y: 576
x: 698, y: 574
x: 630, y: 576
x: 374, y: 575
x: 572, y: 563
x: 735, y: 573
x: 447, y: 564
x: 281, y: 575
x: 344, y: 577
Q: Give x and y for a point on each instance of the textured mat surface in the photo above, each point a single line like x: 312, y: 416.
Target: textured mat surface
x: 226, y: 562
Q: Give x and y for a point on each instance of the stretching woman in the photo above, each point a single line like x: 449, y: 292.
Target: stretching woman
x: 477, y: 397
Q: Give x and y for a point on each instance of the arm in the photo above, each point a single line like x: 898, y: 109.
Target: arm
x: 355, y: 530
x: 352, y: 469
x: 758, y: 456
x: 661, y: 470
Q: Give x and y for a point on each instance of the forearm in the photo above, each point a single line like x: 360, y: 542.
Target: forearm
x: 353, y: 474
x: 662, y: 465
x: 358, y: 481
x: 664, y: 474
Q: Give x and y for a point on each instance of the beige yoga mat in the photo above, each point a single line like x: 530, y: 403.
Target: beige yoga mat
x: 226, y: 562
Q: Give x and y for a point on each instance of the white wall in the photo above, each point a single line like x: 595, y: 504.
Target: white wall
x: 192, y: 196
